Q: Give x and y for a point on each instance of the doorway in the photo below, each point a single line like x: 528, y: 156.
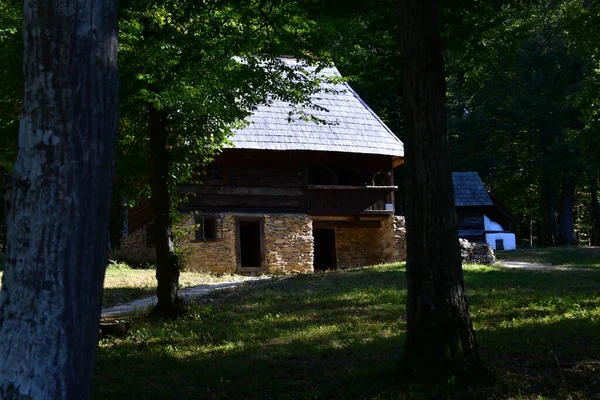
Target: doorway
x: 250, y: 244
x: 324, y: 249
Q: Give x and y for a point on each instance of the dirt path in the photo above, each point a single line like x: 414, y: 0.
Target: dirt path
x: 534, y: 266
x: 187, y: 294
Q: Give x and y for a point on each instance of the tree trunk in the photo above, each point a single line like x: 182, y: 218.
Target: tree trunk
x: 440, y: 339
x: 567, y: 218
x: 549, y: 224
x: 58, y: 200
x: 116, y: 219
x: 595, y: 210
x: 169, y: 303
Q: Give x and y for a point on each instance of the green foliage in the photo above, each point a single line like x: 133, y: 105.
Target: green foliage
x: 520, y: 98
x: 10, y: 93
x: 206, y: 65
x: 338, y: 335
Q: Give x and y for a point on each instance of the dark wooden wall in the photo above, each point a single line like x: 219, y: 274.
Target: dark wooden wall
x: 278, y: 181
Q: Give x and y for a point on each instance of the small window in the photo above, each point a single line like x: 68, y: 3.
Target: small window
x: 206, y: 228
x: 499, y: 244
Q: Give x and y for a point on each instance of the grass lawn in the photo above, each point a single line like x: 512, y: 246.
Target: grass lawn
x: 338, y: 336
x: 123, y: 284
x: 564, y: 256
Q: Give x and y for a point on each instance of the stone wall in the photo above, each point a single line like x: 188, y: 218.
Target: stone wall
x: 368, y: 246
x: 218, y: 255
x: 399, y: 249
x: 476, y: 253
x: 289, y: 243
x: 134, y: 248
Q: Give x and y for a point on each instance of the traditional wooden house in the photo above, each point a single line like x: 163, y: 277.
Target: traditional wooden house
x: 293, y: 195
x: 475, y: 209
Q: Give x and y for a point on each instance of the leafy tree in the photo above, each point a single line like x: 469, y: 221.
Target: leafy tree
x: 11, y: 50
x: 191, y: 73
x: 519, y: 114
x: 58, y: 200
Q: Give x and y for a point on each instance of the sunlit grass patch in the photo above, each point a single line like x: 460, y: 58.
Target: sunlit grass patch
x: 123, y: 284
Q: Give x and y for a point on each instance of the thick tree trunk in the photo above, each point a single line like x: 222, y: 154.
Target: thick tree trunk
x: 549, y: 224
x: 440, y: 339
x: 167, y: 266
x: 595, y: 210
x: 567, y: 218
x: 58, y: 201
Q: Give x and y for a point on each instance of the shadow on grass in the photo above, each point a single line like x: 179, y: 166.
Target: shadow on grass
x: 116, y: 296
x: 339, y: 336
x: 568, y: 255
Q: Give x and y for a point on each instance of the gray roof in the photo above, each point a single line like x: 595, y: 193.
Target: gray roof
x: 469, y: 190
x: 352, y: 127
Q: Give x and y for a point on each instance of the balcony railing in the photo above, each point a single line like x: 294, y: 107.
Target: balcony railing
x: 324, y: 199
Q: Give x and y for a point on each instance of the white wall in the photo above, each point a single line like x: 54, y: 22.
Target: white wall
x: 491, y: 225
x: 510, y: 242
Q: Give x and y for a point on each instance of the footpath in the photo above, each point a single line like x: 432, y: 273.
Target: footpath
x: 187, y: 294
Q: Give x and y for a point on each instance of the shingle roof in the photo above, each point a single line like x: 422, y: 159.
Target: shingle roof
x: 469, y: 190
x: 352, y: 127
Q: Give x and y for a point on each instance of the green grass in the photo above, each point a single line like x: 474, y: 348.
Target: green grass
x: 563, y: 256
x: 339, y: 335
x: 123, y: 284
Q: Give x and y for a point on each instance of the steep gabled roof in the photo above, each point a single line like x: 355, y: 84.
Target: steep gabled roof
x: 469, y: 190
x: 352, y: 127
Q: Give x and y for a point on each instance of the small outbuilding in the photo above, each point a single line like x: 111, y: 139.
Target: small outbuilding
x: 480, y: 218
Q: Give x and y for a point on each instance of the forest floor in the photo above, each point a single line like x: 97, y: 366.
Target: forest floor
x: 339, y: 335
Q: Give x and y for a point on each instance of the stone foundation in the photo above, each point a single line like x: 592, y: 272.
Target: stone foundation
x: 288, y: 244
x: 367, y: 246
x: 135, y: 249
x: 287, y: 240
x: 218, y: 255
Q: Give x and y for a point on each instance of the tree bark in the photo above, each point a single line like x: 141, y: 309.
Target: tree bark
x: 440, y: 338
x: 58, y: 200
x: 595, y: 210
x: 116, y: 219
x: 549, y: 224
x: 169, y: 304
x: 567, y: 218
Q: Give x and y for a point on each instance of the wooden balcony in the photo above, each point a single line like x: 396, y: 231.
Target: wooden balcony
x: 334, y: 199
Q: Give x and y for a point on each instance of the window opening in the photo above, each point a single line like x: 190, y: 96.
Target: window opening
x: 208, y: 227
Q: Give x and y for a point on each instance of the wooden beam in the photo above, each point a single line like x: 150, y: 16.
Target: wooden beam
x: 346, y: 224
x: 341, y: 187
x: 397, y: 161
